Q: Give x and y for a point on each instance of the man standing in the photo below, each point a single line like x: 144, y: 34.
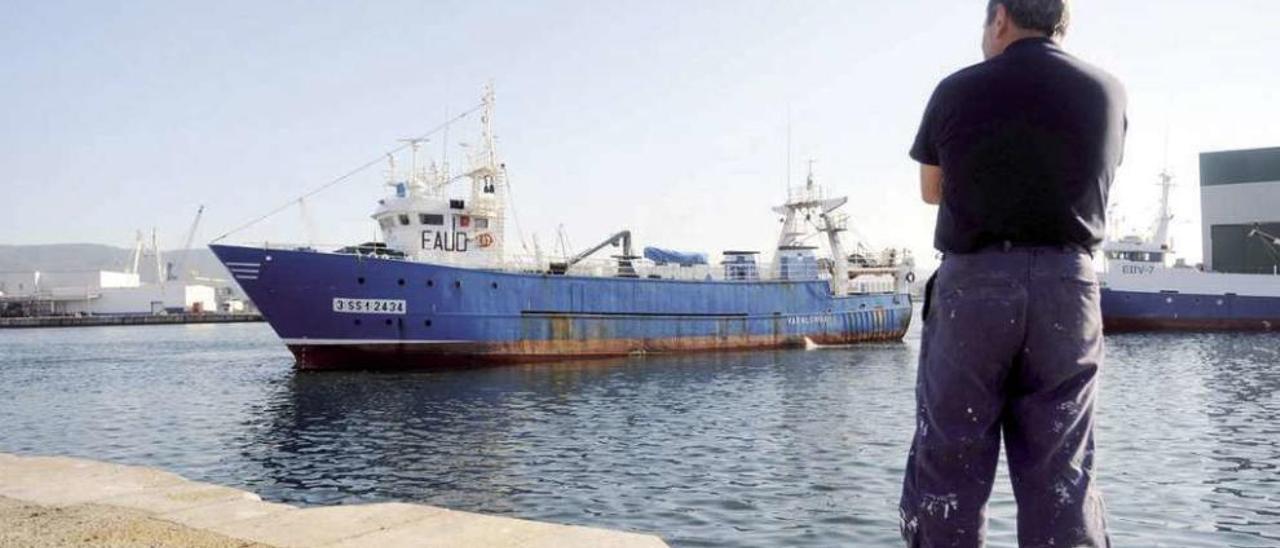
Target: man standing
x: 1019, y: 153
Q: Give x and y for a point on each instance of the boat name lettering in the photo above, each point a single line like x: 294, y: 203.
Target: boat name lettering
x: 1139, y: 270
x: 368, y: 306
x: 445, y: 241
x: 808, y: 320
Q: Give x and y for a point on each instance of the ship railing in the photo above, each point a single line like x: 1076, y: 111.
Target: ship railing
x: 863, y: 286
x: 609, y: 267
x: 313, y: 247
x: 868, y: 280
x: 805, y: 193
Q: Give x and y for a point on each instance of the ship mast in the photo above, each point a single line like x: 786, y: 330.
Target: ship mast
x: 1161, y: 236
x: 416, y: 183
x: 487, y: 175
x: 807, y: 200
x: 485, y: 168
x: 391, y: 170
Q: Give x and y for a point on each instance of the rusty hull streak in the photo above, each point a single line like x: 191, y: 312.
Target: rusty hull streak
x: 418, y: 356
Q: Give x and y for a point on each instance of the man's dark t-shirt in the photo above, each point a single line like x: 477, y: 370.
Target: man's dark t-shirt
x: 1029, y: 142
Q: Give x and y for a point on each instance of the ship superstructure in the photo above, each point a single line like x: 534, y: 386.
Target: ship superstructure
x: 444, y: 289
x: 424, y: 222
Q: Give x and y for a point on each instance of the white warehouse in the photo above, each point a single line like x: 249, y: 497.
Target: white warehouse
x: 1240, y: 209
x: 103, y: 292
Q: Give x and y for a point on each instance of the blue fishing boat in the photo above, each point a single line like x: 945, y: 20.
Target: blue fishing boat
x: 441, y: 289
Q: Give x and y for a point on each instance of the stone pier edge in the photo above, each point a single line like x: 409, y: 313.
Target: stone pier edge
x: 241, y: 515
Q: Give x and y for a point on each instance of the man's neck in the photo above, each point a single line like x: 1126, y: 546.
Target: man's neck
x: 1019, y: 35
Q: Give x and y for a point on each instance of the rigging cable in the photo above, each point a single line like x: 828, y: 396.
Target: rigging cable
x: 379, y: 159
x: 511, y: 203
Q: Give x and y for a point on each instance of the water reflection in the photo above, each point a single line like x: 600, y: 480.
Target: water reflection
x: 1182, y: 416
x: 778, y: 446
x: 1244, y: 383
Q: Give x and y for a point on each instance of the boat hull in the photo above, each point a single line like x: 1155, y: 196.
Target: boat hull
x: 427, y: 315
x: 1133, y: 311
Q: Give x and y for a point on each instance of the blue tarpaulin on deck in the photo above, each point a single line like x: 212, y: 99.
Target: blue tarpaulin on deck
x: 667, y: 256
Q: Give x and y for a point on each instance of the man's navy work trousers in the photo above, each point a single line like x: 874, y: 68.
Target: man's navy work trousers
x: 1012, y: 346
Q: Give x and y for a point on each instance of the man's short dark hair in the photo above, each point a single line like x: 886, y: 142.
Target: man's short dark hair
x: 1051, y: 17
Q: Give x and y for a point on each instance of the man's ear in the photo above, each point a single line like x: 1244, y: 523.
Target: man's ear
x: 1001, y: 21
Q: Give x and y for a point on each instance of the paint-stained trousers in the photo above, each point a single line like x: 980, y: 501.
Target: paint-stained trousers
x: 1012, y: 346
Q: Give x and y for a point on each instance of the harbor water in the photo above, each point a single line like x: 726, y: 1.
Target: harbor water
x: 785, y: 448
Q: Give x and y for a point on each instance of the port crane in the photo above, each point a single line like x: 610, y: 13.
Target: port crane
x: 1269, y: 241
x: 175, y: 270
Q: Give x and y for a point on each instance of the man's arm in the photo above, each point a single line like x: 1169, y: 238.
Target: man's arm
x: 931, y: 184
x: 926, y: 151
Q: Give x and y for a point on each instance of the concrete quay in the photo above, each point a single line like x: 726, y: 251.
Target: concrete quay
x: 60, y: 501
x: 140, y: 319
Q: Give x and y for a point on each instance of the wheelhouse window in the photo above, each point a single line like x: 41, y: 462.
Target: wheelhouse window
x: 404, y: 220
x: 1137, y: 256
x: 431, y: 219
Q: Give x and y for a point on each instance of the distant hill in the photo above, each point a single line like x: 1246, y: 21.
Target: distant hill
x: 71, y: 257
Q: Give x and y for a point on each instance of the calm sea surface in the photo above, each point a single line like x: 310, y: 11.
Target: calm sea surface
x: 794, y: 448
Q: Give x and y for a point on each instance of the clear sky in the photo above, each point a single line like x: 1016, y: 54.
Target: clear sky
x: 666, y: 117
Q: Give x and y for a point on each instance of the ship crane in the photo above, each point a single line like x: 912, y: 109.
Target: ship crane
x: 623, y: 238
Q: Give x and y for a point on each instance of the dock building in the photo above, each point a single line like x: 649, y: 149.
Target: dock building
x: 98, y: 292
x: 1240, y: 208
